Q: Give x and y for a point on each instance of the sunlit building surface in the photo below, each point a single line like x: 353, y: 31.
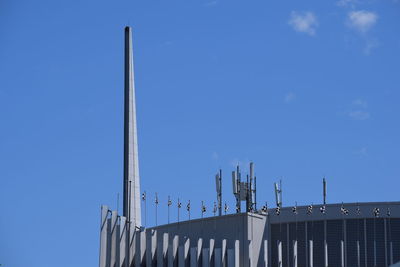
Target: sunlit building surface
x: 325, y: 235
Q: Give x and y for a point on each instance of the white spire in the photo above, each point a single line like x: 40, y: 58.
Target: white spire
x: 132, y: 209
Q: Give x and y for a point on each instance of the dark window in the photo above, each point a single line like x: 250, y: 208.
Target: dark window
x: 353, y: 237
x: 380, y: 242
x: 370, y: 242
x: 335, y: 235
x: 285, y: 247
x: 301, y: 245
x: 395, y: 238
x: 316, y: 233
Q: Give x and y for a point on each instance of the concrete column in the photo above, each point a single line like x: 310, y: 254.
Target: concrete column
x: 294, y: 253
x: 151, y: 247
x: 199, y: 251
x: 217, y: 257
x: 223, y: 253
x: 114, y: 217
x: 103, y: 236
x: 193, y: 257
x: 391, y: 252
x: 250, y: 249
x: 311, y: 256
x: 109, y: 229
x: 342, y: 253
x: 237, y: 253
x: 358, y: 254
x: 173, y: 243
x: 140, y: 247
x: 162, y: 250
x: 183, y: 252
x: 122, y: 240
x: 205, y: 257
x: 280, y: 260
x: 211, y: 254
x: 266, y: 253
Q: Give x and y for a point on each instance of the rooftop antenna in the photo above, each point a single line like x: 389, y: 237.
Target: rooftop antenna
x: 324, y: 190
x: 218, y: 183
x: 278, y: 194
x: 145, y: 207
x: 156, y: 202
x: 248, y: 196
x: 188, y: 208
x: 252, y: 189
x: 255, y: 193
x: 203, y: 209
x: 169, y: 204
x: 179, y: 208
x: 236, y: 187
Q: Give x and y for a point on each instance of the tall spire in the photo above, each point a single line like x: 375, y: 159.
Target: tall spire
x: 132, y: 209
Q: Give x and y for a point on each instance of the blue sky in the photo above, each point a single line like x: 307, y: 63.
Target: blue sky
x: 305, y: 89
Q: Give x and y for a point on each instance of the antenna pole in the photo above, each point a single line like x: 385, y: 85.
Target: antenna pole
x: 324, y: 190
x: 251, y: 191
x: 238, y: 182
x: 220, y: 194
x: 255, y: 192
x: 169, y: 201
x: 280, y: 192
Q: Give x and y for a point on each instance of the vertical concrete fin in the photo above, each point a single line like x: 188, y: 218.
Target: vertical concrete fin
x: 122, y: 240
x: 131, y: 199
x: 103, y: 236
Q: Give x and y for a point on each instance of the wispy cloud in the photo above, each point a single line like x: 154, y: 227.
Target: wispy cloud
x: 360, y: 103
x: 304, y: 22
x: 361, y: 20
x: 359, y: 110
x: 346, y: 3
x: 215, y: 156
x: 363, y: 151
x: 289, y: 97
x: 370, y: 44
x: 211, y: 3
x: 360, y: 115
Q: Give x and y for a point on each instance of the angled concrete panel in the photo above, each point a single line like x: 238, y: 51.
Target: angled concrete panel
x: 103, y: 236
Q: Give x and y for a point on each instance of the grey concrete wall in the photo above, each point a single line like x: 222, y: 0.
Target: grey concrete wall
x: 244, y: 239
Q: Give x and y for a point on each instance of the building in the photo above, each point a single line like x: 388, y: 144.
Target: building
x: 337, y: 235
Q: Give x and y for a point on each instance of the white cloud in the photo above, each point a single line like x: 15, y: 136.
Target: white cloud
x: 362, y: 151
x: 346, y: 3
x: 289, y: 97
x: 362, y: 20
x: 360, y: 115
x: 305, y: 22
x: 360, y: 103
x: 211, y: 3
x: 359, y: 111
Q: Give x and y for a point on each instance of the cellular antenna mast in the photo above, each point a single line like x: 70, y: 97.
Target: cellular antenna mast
x: 278, y: 194
x: 236, y: 187
x: 324, y: 190
x: 218, y: 183
x: 131, y: 201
